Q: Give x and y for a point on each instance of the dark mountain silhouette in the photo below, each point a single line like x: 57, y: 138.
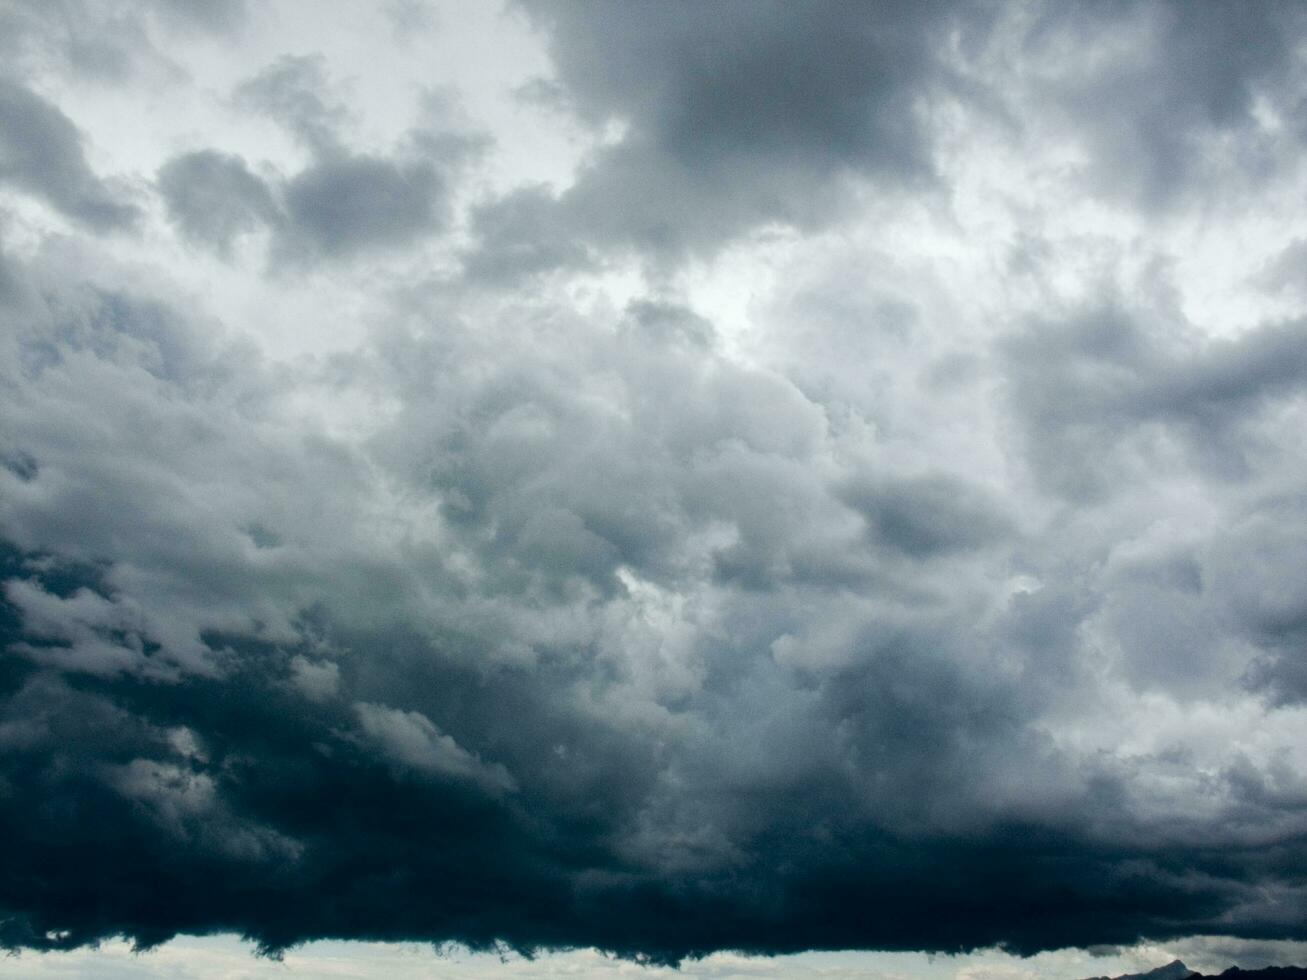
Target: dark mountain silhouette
x: 1176, y: 970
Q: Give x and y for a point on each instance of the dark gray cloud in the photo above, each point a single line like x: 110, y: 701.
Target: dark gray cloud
x: 882, y: 592
x: 296, y: 91
x: 1168, y: 96
x: 926, y: 516
x: 337, y: 207
x: 341, y: 204
x: 1287, y: 272
x: 345, y: 205
x: 41, y: 153
x: 745, y: 115
x: 734, y: 116
x: 215, y: 198
x: 522, y: 234
x: 1096, y: 390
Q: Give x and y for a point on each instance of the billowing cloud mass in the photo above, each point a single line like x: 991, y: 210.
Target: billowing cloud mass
x: 659, y: 477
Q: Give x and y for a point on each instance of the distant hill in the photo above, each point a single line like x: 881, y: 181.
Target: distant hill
x: 1178, y: 971
x: 1175, y: 970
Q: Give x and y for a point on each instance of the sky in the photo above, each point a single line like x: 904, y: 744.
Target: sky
x: 576, y: 488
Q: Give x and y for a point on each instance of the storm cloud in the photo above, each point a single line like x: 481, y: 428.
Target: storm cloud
x: 341, y: 204
x: 789, y: 105
x: 41, y: 152
x: 859, y: 504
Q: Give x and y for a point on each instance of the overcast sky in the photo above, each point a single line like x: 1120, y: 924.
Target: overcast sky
x: 660, y: 478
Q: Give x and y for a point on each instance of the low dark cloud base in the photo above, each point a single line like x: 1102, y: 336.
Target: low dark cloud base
x: 107, y: 832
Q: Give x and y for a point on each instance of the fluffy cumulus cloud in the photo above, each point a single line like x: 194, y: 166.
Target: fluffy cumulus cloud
x: 663, y: 478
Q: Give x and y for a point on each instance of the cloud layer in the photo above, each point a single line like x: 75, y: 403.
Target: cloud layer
x: 858, y: 505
